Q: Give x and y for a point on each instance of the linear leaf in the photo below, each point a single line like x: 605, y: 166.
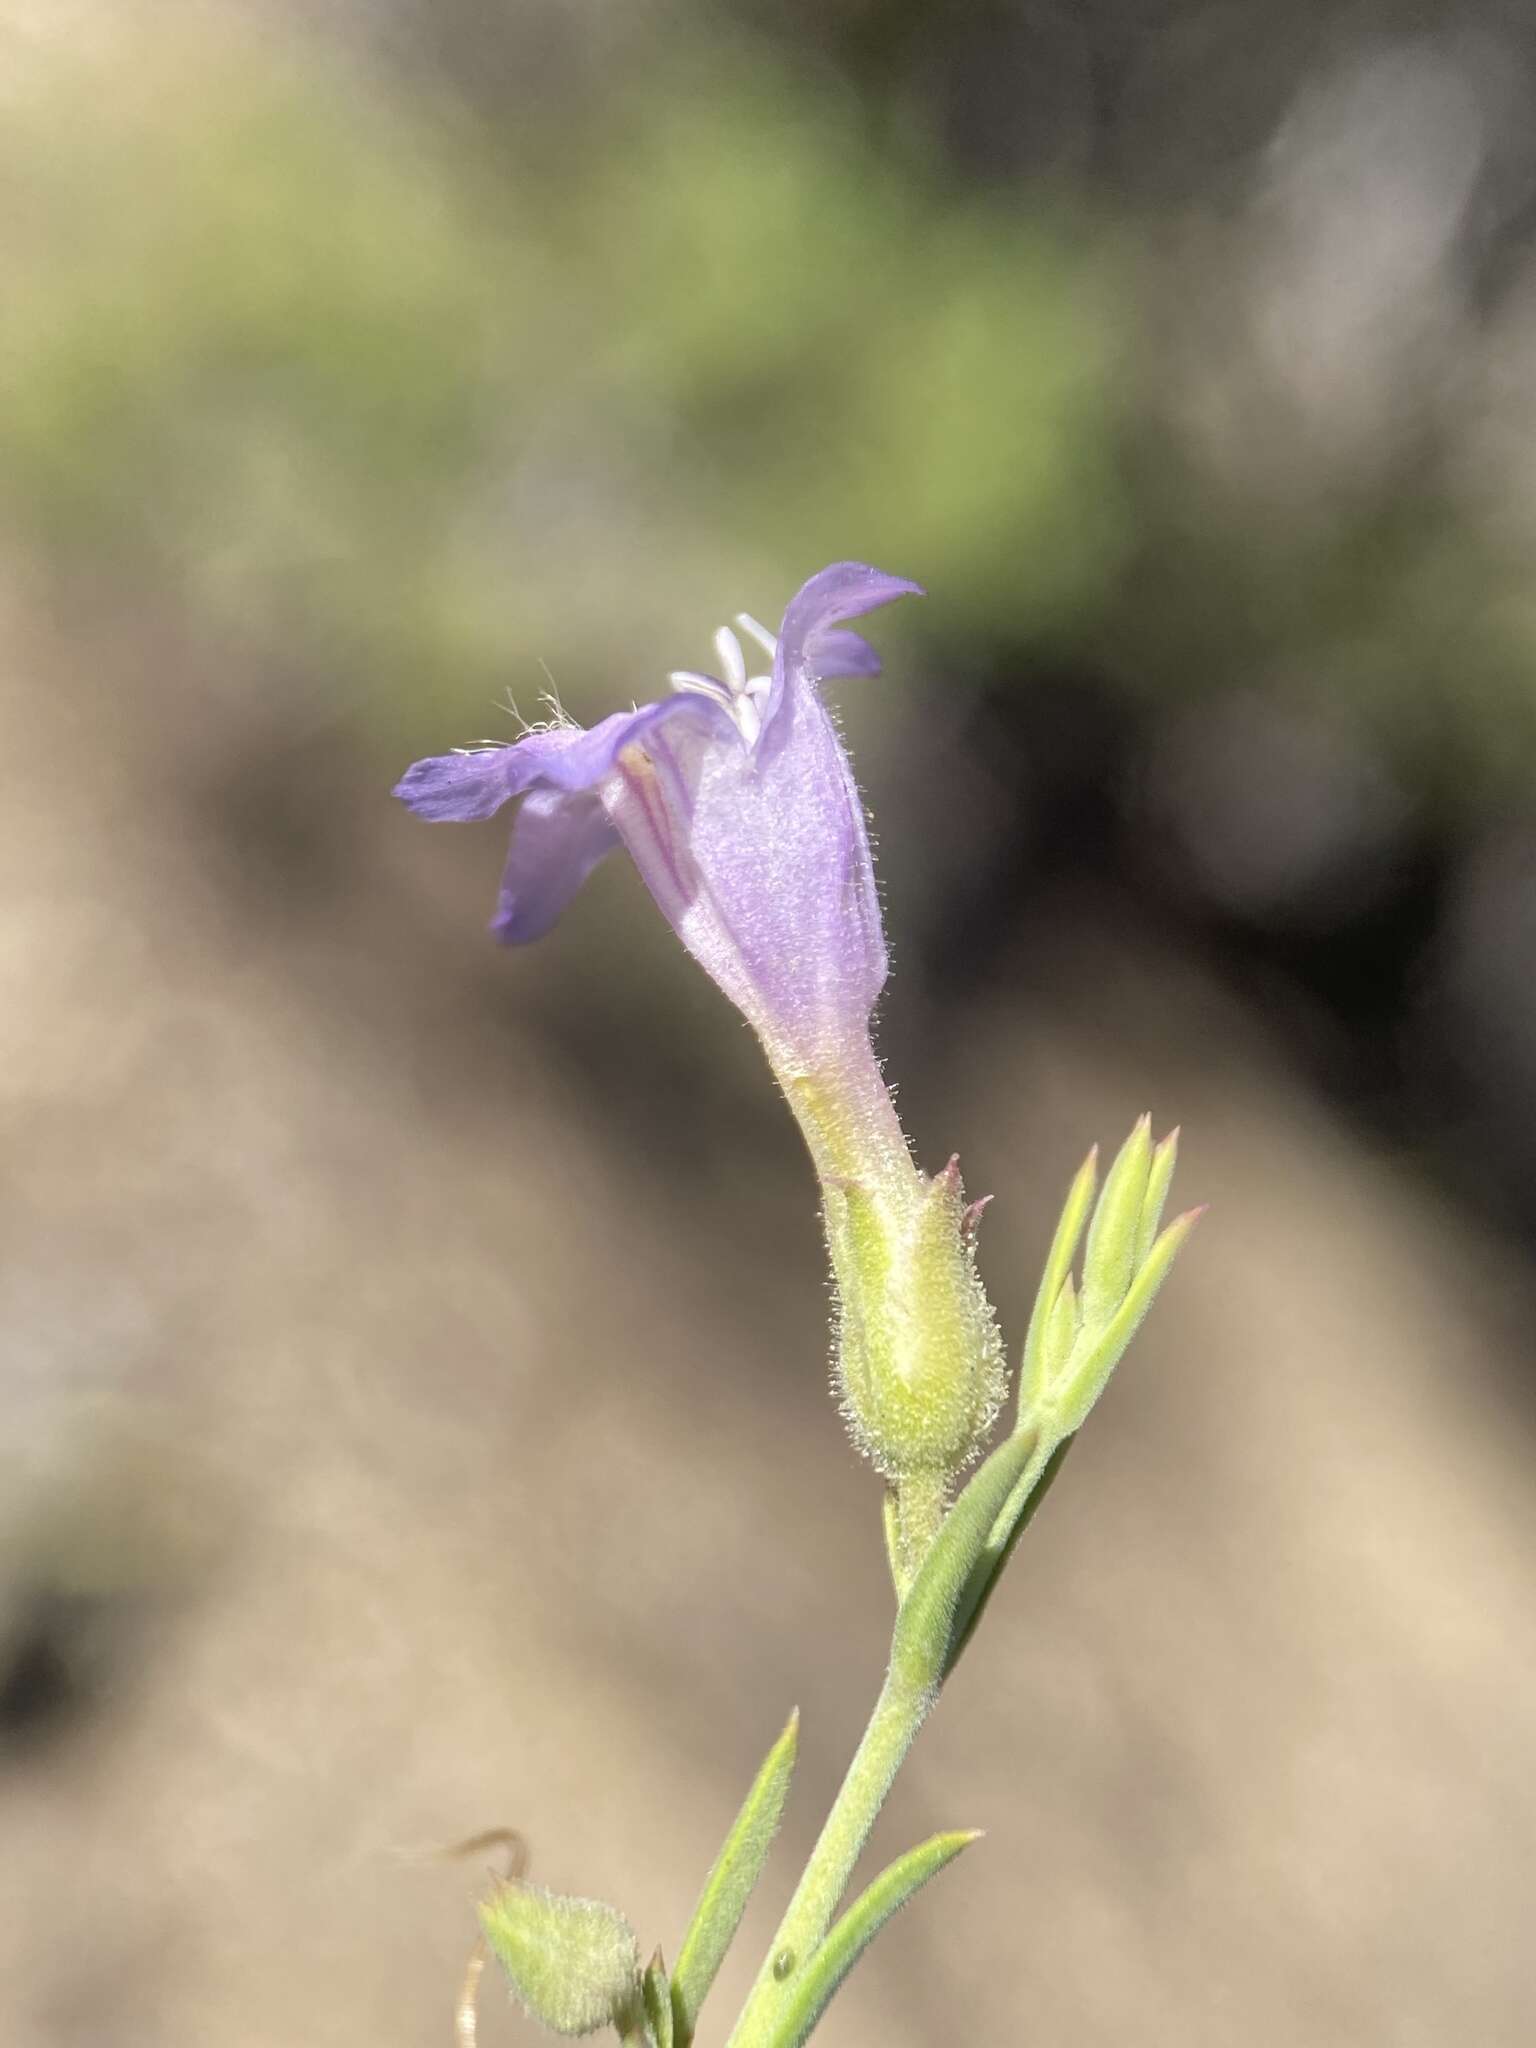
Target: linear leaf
x: 1111, y: 1245
x: 1090, y: 1375
x: 657, y: 1998
x: 921, y: 1642
x: 1058, y: 1264
x: 1007, y: 1530
x: 1165, y: 1157
x: 822, y: 1976
x: 723, y: 1900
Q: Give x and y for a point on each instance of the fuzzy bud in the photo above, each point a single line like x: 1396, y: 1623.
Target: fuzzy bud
x: 573, y: 1964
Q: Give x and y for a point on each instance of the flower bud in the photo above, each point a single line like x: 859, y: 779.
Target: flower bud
x: 574, y: 1964
x: 919, y: 1359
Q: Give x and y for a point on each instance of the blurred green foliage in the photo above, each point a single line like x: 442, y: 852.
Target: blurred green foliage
x: 407, y: 397
x: 336, y: 370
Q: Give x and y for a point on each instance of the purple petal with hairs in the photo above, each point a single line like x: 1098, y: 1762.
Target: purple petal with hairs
x: 475, y: 784
x: 739, y: 808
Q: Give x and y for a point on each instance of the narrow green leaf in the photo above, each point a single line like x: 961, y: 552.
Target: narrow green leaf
x: 1091, y: 1376
x: 657, y: 1995
x: 920, y: 1645
x: 1061, y: 1335
x: 1016, y: 1517
x: 1066, y: 1416
x: 821, y: 1977
x: 1111, y: 1246
x: 1058, y: 1264
x: 1165, y: 1157
x: 723, y: 1900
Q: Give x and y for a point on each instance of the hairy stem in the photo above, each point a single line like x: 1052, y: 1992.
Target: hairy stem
x: 899, y: 1712
x: 921, y: 1499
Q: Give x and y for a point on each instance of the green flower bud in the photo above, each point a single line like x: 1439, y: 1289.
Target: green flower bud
x: 920, y: 1364
x: 574, y: 1964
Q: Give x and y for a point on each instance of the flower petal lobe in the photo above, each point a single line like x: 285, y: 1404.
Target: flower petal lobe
x: 557, y: 840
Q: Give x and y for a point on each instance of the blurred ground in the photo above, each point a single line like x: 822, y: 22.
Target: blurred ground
x: 396, y: 1450
x: 412, y: 1401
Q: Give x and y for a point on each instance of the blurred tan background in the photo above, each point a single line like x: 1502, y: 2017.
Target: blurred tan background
x: 413, y: 1371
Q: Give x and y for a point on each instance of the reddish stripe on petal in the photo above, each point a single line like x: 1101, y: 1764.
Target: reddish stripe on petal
x: 643, y: 785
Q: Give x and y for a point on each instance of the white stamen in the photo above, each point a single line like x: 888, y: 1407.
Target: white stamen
x: 742, y: 695
x: 701, y: 686
x: 760, y: 634
x: 732, y: 660
x: 748, y: 718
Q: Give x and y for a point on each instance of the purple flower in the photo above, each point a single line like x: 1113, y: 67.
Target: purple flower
x: 737, y: 804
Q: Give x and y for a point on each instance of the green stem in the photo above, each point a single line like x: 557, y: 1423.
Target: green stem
x: 899, y: 1712
x: 921, y: 1500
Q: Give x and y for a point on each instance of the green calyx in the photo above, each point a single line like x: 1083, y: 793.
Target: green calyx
x: 919, y: 1360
